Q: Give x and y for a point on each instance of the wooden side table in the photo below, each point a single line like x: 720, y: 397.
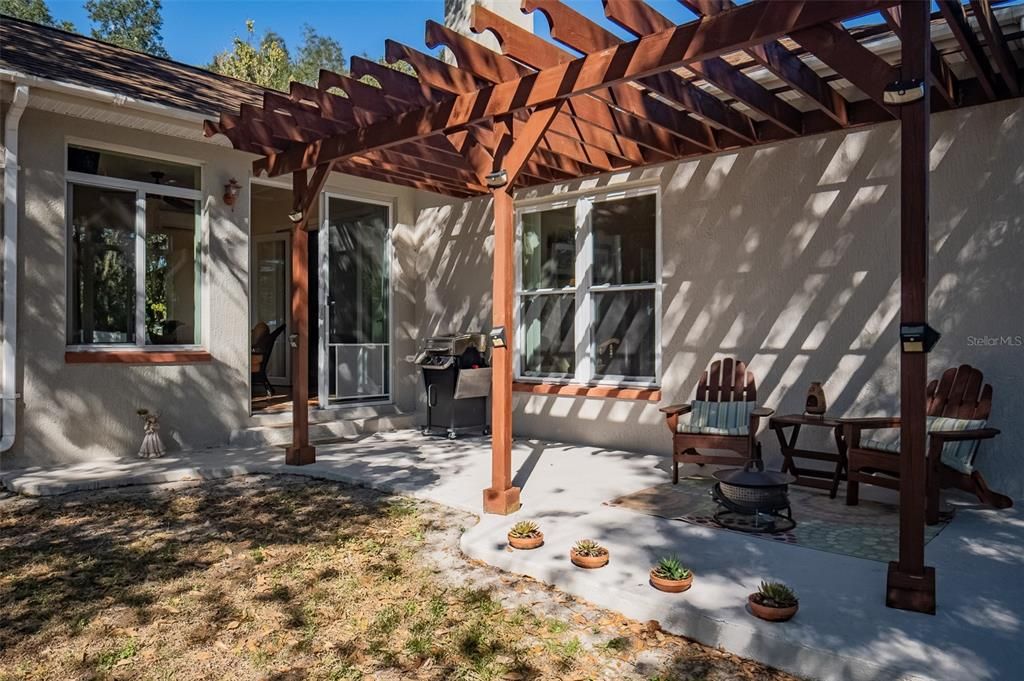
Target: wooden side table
x: 810, y: 477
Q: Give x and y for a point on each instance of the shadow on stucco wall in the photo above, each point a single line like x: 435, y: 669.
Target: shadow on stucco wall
x: 787, y: 256
x: 80, y: 412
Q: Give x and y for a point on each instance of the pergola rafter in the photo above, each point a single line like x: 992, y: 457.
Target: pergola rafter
x: 738, y: 29
x: 577, y: 32
x: 640, y: 19
x: 595, y: 103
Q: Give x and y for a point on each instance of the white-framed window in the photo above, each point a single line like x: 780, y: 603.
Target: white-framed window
x: 134, y: 245
x: 588, y: 289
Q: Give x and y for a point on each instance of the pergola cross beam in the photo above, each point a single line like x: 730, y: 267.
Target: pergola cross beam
x: 641, y: 19
x: 577, y: 32
x: 604, y: 125
x: 997, y: 45
x: 737, y: 29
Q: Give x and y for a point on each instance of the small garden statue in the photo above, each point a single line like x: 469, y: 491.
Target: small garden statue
x: 152, y: 446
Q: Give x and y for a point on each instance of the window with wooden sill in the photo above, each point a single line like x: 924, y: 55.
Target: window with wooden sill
x: 589, y: 295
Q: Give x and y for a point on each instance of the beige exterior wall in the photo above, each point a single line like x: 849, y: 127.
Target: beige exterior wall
x: 80, y: 412
x: 788, y: 256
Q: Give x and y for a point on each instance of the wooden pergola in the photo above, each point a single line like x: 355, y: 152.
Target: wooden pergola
x: 539, y: 113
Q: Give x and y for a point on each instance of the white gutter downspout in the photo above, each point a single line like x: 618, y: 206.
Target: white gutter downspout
x: 9, y: 396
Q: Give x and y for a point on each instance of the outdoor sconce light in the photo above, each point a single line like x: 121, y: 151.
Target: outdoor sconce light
x: 901, y: 92
x: 918, y: 337
x: 497, y: 336
x: 295, y: 216
x: 231, y: 191
x: 497, y: 179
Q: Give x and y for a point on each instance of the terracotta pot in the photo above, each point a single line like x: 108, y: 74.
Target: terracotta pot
x: 771, y: 614
x: 672, y: 586
x: 588, y: 562
x: 526, y: 543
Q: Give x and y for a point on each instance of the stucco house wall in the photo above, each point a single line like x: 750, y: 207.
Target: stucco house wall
x: 81, y: 412
x: 787, y: 256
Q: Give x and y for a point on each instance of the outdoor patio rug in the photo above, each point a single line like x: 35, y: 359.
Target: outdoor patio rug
x: 868, y: 530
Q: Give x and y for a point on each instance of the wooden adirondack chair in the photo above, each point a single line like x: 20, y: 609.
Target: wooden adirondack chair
x: 724, y: 416
x: 960, y: 394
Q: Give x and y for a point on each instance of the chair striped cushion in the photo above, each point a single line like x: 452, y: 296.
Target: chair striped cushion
x: 718, y: 418
x: 957, y: 455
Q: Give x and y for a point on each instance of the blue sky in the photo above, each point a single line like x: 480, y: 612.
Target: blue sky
x: 194, y: 30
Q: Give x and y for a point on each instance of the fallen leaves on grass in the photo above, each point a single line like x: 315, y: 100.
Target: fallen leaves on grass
x: 290, y: 578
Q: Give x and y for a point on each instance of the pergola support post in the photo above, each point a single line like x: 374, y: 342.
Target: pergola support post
x: 501, y: 497
x: 304, y: 194
x: 911, y: 584
x: 511, y: 155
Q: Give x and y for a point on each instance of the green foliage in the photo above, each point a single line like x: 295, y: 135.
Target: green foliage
x: 134, y: 24
x: 619, y: 644
x: 107, y: 659
x: 590, y: 548
x: 316, y: 52
x: 265, y: 63
x: 33, y: 10
x: 268, y: 62
x: 400, y: 66
x: 776, y: 595
x: 670, y: 567
x: 524, y: 529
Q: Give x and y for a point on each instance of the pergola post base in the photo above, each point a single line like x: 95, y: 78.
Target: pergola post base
x: 906, y: 591
x: 501, y: 501
x: 300, y: 456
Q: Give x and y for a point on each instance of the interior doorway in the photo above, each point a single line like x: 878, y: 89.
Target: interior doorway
x: 350, y: 330
x: 270, y: 299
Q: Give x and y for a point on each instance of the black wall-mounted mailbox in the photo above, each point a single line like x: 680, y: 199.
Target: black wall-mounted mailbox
x: 918, y: 337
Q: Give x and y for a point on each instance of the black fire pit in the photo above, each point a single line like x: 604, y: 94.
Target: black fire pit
x: 751, y: 499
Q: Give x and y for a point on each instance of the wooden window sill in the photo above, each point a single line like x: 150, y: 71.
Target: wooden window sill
x: 608, y: 392
x: 137, y: 357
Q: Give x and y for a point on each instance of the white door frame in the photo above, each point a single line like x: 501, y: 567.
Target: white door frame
x: 286, y: 237
x: 323, y: 250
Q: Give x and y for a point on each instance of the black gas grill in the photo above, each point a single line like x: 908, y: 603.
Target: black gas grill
x: 457, y: 378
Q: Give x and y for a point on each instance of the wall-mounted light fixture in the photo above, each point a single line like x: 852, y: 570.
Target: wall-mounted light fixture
x: 295, y: 216
x: 497, y: 179
x: 901, y: 92
x: 918, y: 337
x: 231, y: 191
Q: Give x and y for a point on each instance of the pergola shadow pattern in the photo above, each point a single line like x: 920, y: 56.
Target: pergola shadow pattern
x: 738, y: 75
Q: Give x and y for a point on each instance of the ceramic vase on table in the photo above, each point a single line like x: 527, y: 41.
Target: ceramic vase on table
x: 816, y: 404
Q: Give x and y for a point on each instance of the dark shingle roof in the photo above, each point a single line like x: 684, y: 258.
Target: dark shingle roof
x: 57, y: 55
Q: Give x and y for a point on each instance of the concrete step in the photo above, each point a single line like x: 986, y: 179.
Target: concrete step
x: 326, y: 426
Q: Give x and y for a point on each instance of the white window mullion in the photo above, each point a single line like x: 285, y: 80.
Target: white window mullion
x: 517, y: 334
x: 323, y: 278
x: 658, y: 255
x: 140, y: 268
x: 584, y: 277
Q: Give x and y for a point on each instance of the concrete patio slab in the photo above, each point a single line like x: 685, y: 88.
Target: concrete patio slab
x: 843, y: 629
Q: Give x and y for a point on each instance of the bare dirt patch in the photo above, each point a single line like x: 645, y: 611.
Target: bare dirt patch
x: 287, y: 578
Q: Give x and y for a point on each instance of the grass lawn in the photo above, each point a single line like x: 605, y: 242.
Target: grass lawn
x: 288, y: 578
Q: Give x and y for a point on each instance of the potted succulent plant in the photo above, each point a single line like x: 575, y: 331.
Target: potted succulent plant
x: 773, y: 601
x: 671, y: 576
x: 525, y: 535
x: 588, y: 554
